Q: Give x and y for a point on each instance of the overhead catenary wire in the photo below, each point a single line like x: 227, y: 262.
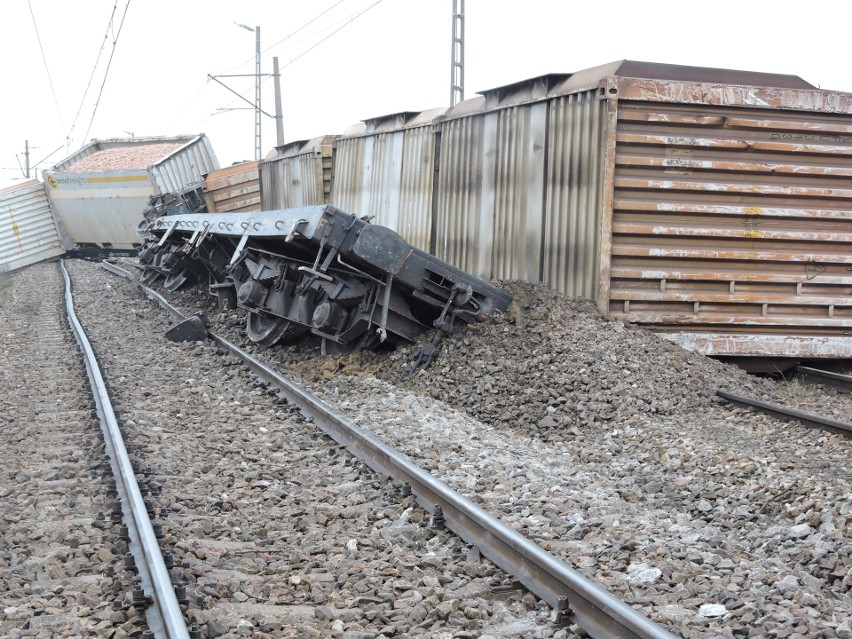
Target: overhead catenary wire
x: 106, y: 72
x: 94, y: 69
x: 47, y: 70
x: 348, y: 21
x: 252, y: 59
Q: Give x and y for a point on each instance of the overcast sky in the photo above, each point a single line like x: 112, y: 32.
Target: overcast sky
x: 346, y: 60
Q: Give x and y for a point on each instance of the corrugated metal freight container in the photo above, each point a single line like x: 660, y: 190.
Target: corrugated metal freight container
x: 712, y: 206
x: 234, y: 189
x: 385, y: 168
x: 299, y: 174
x: 100, y: 191
x: 28, y: 231
x: 493, y: 168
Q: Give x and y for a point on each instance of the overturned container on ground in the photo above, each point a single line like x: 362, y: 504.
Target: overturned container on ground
x: 711, y: 206
x: 100, y: 192
x: 28, y: 228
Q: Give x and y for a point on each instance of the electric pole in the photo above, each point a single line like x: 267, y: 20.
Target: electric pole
x: 457, y: 67
x: 258, y: 111
x: 258, y: 144
x: 279, y: 117
x: 27, y: 158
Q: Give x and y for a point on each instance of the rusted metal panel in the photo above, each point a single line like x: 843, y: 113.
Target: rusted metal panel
x: 234, y: 189
x: 28, y: 232
x: 799, y: 347
x: 731, y: 224
x: 299, y: 175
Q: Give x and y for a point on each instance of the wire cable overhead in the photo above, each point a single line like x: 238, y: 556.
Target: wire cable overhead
x: 109, y: 62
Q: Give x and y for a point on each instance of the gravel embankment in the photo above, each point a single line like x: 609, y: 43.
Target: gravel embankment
x: 60, y: 553
x: 607, y: 445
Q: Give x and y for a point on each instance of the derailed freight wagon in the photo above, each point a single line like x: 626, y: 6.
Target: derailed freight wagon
x: 100, y: 192
x: 711, y: 206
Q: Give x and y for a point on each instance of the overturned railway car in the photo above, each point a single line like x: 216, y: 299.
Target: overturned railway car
x: 99, y: 192
x: 318, y: 269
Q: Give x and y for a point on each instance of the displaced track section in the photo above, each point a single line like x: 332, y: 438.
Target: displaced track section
x: 63, y: 545
x: 810, y: 375
x: 785, y: 412
x: 574, y: 598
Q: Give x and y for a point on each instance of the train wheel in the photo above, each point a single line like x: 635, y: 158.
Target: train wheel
x: 149, y: 276
x: 266, y: 330
x: 176, y: 280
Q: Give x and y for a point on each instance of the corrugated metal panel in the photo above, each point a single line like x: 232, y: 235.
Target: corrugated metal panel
x: 28, y: 232
x: 574, y: 194
x: 368, y: 175
x: 350, y: 168
x: 234, y: 189
x: 382, y: 192
x: 386, y: 169
x: 519, y: 167
x: 731, y: 220
x: 299, y: 176
x: 465, y: 211
x: 416, y: 188
x: 185, y: 167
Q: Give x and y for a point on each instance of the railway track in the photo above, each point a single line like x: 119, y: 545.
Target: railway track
x: 573, y: 598
x: 789, y: 413
x: 810, y: 375
x: 62, y: 545
x: 218, y: 455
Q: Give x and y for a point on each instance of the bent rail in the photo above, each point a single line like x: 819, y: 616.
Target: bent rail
x: 164, y: 616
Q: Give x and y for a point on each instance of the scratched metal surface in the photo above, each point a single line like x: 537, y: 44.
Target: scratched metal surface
x: 28, y: 232
x: 732, y: 217
x: 233, y: 189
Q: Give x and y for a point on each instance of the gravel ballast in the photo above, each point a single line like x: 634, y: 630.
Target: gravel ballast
x: 607, y: 445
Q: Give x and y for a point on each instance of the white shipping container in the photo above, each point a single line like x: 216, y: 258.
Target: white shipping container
x: 100, y: 192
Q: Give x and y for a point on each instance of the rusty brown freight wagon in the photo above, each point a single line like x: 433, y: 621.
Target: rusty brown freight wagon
x: 711, y: 206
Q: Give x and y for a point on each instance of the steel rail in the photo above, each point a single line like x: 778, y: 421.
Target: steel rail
x: 825, y: 378
x: 573, y: 597
x: 785, y: 412
x: 164, y: 616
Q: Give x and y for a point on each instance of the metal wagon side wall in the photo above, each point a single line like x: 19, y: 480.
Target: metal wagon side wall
x: 235, y: 189
x: 388, y: 175
x: 520, y: 192
x: 28, y: 232
x: 300, y: 177
x: 184, y: 167
x: 732, y: 218
x: 572, y: 257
